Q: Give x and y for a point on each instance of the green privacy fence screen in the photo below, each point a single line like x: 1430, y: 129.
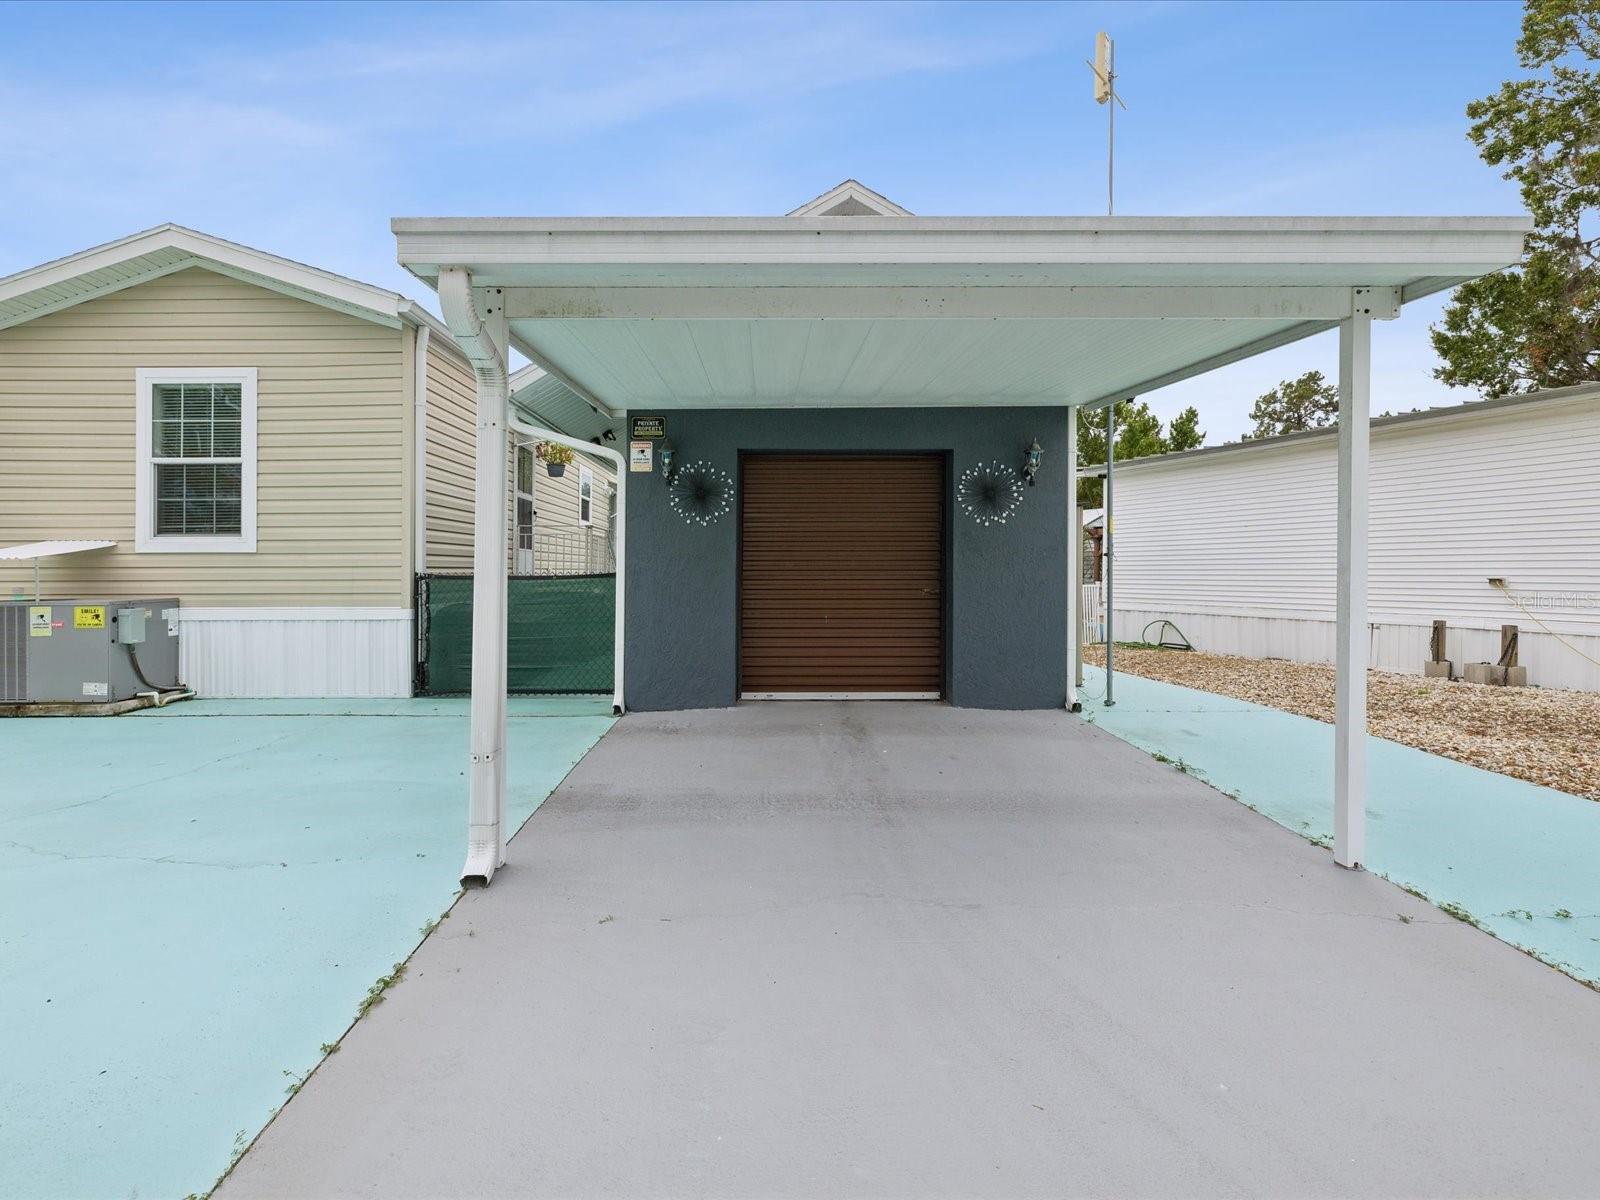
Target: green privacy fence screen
x: 559, y: 634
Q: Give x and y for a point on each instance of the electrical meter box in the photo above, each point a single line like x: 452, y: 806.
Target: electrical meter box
x: 90, y: 651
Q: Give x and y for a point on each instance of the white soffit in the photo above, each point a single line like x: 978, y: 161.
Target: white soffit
x: 551, y: 403
x: 814, y: 311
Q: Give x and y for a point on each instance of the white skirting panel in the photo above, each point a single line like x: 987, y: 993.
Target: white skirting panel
x: 296, y: 652
x: 1396, y: 646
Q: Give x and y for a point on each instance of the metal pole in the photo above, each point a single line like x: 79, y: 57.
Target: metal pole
x: 1111, y: 458
x: 1111, y: 128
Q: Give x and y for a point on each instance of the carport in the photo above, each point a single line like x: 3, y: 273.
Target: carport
x: 851, y: 305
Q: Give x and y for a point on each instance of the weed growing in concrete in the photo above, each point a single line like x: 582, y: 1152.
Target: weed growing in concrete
x: 1404, y: 920
x: 1177, y: 764
x: 605, y: 919
x: 428, y: 927
x: 1520, y: 914
x: 1563, y: 914
x: 328, y: 1048
x: 375, y: 992
x: 1452, y: 909
x: 241, y: 1143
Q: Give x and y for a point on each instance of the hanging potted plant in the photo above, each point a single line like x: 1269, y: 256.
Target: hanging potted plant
x: 555, y: 457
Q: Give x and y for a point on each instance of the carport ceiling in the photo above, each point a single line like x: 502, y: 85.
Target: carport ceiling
x: 809, y: 311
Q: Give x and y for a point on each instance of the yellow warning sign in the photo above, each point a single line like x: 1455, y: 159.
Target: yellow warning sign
x: 89, y: 616
x: 39, y: 620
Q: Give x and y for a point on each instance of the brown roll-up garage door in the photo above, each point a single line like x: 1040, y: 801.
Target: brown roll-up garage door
x: 841, y: 575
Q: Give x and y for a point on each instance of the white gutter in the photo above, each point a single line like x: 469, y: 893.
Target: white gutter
x: 478, y: 324
x: 419, y: 458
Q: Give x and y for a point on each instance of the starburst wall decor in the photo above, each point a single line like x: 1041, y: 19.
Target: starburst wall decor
x: 989, y: 492
x: 700, y: 493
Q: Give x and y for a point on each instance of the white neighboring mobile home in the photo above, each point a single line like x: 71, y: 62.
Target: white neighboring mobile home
x: 280, y: 447
x: 1235, y: 543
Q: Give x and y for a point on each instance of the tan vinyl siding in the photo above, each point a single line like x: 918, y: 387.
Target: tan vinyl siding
x: 331, y: 433
x: 561, y: 544
x: 557, y: 499
x: 452, y: 432
x: 452, y: 437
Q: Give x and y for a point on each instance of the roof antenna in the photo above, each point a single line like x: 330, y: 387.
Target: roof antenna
x: 1104, y: 67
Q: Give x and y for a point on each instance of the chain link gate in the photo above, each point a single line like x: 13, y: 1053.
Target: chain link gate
x: 560, y: 632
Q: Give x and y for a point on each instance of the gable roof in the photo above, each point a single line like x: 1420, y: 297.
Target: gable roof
x: 851, y: 199
x: 141, y: 257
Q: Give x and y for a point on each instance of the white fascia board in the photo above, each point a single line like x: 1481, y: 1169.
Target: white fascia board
x: 415, y: 314
x: 201, y: 250
x: 965, y: 224
x: 1287, y: 303
x: 504, y: 251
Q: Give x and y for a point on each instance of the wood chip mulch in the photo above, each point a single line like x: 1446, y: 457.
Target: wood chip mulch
x: 1542, y: 735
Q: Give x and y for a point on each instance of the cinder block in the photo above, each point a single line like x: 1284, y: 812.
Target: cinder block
x: 1438, y: 670
x: 1495, y: 676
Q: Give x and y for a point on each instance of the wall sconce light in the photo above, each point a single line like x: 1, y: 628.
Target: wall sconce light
x: 1030, y: 468
x: 666, y: 460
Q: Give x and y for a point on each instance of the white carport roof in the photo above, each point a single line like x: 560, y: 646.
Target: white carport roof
x: 850, y: 311
x: 891, y: 309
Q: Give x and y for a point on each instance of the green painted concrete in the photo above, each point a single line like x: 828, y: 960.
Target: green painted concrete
x: 193, y: 900
x: 1511, y: 854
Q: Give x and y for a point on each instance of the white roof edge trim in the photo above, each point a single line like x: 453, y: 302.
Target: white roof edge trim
x: 1575, y: 394
x: 209, y: 252
x: 29, y: 550
x: 998, y: 224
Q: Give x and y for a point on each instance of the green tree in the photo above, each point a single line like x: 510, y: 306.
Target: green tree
x: 1295, y: 405
x: 1538, y: 325
x: 1184, y: 432
x: 1139, y: 434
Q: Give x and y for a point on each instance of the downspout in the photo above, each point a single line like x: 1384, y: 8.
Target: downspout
x: 419, y: 470
x: 469, y: 318
x: 615, y: 457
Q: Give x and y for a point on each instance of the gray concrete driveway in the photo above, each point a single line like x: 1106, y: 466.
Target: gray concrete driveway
x: 908, y: 950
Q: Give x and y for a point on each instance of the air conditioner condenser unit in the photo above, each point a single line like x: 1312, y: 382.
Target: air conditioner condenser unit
x: 87, y: 651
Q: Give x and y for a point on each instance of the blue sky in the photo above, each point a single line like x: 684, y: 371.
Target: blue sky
x: 303, y: 128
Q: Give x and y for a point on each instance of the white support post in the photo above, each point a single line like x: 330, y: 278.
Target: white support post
x: 1350, y: 692
x: 476, y: 317
x: 1074, y: 563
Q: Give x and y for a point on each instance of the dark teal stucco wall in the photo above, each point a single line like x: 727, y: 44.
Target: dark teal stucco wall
x: 1006, y: 630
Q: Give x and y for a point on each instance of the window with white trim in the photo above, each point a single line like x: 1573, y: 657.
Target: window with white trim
x: 585, y: 496
x: 196, y: 443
